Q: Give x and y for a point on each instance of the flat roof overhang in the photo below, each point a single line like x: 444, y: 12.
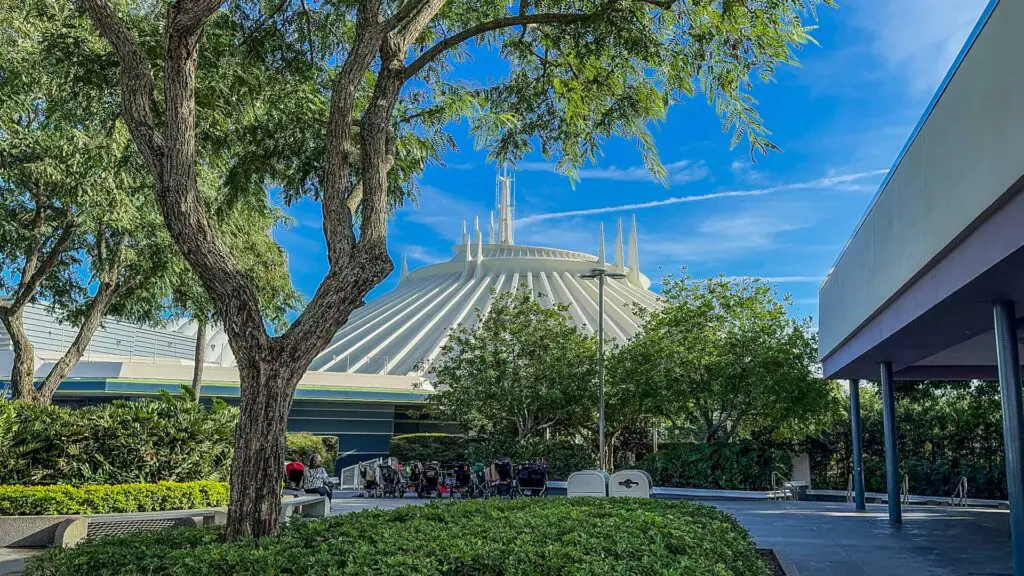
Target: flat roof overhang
x: 942, y: 240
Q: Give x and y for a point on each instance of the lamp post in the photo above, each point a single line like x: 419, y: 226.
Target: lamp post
x: 600, y: 274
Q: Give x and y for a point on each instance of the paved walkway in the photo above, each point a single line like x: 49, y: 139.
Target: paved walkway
x: 826, y: 538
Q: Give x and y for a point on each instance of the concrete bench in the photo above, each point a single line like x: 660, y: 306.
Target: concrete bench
x: 307, y: 506
x: 73, y: 530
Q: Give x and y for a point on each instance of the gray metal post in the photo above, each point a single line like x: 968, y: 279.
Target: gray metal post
x: 855, y: 441
x: 1013, y: 420
x: 600, y: 368
x: 892, y: 459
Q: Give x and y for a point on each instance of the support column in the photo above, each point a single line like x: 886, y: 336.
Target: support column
x: 892, y: 459
x: 1009, y: 387
x: 855, y: 441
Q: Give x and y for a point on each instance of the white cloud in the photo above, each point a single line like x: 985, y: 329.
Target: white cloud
x: 781, y: 279
x: 829, y: 182
x: 416, y: 253
x: 444, y: 212
x: 919, y: 39
x: 718, y: 238
x: 679, y: 172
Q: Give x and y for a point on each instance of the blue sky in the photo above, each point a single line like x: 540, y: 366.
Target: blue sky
x: 841, y: 119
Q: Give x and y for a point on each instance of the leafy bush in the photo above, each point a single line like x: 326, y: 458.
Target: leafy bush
x: 123, y: 442
x: 299, y: 445
x: 431, y: 446
x: 107, y: 499
x: 724, y: 465
x: 551, y: 536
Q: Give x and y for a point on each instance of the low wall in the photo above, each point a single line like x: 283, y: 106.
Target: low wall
x: 29, y: 531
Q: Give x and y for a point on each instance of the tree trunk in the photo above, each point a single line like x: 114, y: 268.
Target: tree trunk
x: 199, y: 358
x: 256, y: 472
x: 93, y: 318
x: 23, y: 371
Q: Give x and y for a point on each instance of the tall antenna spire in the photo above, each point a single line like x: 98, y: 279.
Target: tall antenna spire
x: 405, y: 268
x: 600, y: 247
x: 465, y: 234
x: 490, y: 230
x: 634, y: 254
x: 505, y: 207
x: 620, y: 262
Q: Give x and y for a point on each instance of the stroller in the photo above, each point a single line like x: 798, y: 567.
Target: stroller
x: 293, y: 473
x: 500, y: 481
x: 371, y: 486
x: 430, y: 481
x: 479, y: 481
x: 532, y: 479
x: 461, y: 481
x: 391, y: 485
x: 412, y: 474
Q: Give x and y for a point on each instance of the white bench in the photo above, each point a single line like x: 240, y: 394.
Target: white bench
x: 308, y: 506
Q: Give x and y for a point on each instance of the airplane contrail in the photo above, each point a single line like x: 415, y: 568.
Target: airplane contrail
x: 828, y: 182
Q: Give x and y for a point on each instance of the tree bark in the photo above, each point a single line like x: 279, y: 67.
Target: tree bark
x: 267, y: 385
x: 23, y: 372
x: 199, y: 358
x: 93, y: 318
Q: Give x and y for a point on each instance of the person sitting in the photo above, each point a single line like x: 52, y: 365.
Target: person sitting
x: 316, y: 480
x: 294, y: 472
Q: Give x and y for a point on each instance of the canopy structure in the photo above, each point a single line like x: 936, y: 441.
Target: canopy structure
x: 403, y: 331
x: 930, y: 284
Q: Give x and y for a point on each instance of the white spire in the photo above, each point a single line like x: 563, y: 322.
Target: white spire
x: 600, y: 247
x: 465, y: 234
x: 634, y: 254
x: 620, y: 261
x: 405, y: 268
x: 479, y: 249
x: 465, y: 242
x: 505, y: 209
x: 490, y: 230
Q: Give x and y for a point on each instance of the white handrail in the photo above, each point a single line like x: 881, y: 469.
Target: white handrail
x: 959, y: 497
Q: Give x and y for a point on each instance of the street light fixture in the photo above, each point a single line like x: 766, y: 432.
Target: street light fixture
x: 600, y: 274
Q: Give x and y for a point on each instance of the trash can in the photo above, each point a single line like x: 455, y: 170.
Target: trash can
x: 587, y: 483
x: 632, y: 483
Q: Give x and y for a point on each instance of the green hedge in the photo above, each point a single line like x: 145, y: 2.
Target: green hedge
x: 299, y: 445
x: 731, y: 466
x: 426, y: 447
x: 109, y: 499
x: 168, y: 439
x: 550, y: 536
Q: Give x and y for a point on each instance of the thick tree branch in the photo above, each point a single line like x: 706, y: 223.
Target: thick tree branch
x: 450, y: 42
x: 137, y: 87
x: 338, y: 222
x: 28, y: 285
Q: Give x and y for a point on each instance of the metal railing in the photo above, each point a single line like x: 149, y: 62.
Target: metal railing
x: 905, y: 489
x: 959, y: 497
x: 849, y: 490
x: 782, y: 488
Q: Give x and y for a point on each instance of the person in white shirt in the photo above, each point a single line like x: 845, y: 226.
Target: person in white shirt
x: 316, y: 480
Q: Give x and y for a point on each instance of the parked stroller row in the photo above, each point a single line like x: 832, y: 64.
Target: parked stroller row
x: 499, y: 479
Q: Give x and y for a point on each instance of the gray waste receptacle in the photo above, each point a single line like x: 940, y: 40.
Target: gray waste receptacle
x: 632, y: 483
x: 587, y: 483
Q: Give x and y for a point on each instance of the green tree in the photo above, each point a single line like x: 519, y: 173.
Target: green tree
x: 579, y: 72
x: 80, y: 229
x: 524, y: 370
x: 722, y: 360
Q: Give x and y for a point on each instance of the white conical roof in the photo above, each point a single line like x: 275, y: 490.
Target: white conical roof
x: 400, y: 332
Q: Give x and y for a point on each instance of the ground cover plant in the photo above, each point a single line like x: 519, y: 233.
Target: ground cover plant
x: 550, y: 536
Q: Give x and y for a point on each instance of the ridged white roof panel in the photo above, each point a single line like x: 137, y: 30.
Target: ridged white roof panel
x: 402, y: 331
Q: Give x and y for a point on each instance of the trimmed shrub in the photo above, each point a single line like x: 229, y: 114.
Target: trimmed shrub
x: 110, y: 499
x: 563, y: 456
x: 123, y: 442
x: 299, y: 445
x: 551, y: 536
x: 724, y: 465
